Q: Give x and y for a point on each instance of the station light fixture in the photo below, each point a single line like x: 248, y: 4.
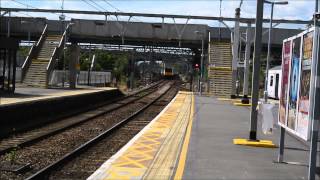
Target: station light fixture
x: 317, y: 15
x: 272, y: 3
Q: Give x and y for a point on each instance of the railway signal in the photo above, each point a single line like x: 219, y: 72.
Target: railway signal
x: 196, y: 66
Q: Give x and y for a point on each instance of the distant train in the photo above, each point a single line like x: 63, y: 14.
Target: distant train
x: 168, y: 73
x: 274, y: 82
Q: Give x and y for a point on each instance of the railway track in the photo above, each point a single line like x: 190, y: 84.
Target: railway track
x: 26, y: 138
x: 83, y: 161
x: 49, y: 150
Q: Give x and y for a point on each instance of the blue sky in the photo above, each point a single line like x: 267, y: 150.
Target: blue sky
x: 296, y: 9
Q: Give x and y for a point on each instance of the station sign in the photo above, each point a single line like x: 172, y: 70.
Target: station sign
x: 295, y: 101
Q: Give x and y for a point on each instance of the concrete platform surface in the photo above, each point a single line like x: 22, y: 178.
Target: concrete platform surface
x: 212, y: 155
x: 154, y: 152
x: 23, y: 94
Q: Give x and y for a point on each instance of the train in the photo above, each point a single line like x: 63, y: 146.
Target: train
x: 274, y: 84
x: 168, y: 73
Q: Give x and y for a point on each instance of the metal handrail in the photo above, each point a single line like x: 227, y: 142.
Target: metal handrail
x: 55, y: 54
x: 28, y: 57
x: 54, y: 51
x: 42, y: 35
x: 32, y: 52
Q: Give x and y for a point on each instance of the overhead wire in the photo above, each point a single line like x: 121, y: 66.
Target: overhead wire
x: 117, y: 9
x: 112, y: 6
x: 96, y: 6
x: 26, y: 14
x: 91, y: 5
x: 28, y: 5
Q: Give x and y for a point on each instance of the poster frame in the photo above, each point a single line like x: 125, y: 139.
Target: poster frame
x: 300, y: 35
x: 286, y: 111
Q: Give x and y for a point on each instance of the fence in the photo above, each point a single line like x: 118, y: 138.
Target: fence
x: 96, y: 78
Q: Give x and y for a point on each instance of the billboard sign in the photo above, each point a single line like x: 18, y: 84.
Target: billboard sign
x: 294, y: 104
x: 286, y: 57
x: 294, y: 83
x: 303, y: 104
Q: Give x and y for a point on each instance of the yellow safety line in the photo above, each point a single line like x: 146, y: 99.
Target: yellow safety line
x: 184, y: 151
x: 241, y: 104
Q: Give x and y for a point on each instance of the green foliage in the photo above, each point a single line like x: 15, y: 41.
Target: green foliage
x: 106, y: 61
x: 12, y: 156
x: 120, y: 69
x: 84, y: 61
x: 24, y: 50
x: 64, y: 59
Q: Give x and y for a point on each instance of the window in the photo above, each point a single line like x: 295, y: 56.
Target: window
x: 271, y: 80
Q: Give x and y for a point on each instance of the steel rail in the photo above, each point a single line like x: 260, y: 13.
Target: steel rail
x: 68, y: 126
x: 152, y: 15
x: 45, y: 172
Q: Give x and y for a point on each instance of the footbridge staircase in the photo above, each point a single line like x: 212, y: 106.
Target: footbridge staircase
x: 42, y: 58
x: 219, y: 69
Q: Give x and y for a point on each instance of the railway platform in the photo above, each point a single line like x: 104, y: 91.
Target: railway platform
x: 192, y: 138
x: 29, y: 94
x: 31, y: 107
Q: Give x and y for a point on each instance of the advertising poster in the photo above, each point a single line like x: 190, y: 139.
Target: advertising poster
x: 286, y: 57
x: 294, y: 84
x: 303, y: 103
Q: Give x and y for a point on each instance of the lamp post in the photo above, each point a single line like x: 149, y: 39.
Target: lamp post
x: 201, y: 61
x: 272, y: 3
x: 314, y: 114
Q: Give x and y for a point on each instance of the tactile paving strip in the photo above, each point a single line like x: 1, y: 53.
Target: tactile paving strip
x: 153, y: 153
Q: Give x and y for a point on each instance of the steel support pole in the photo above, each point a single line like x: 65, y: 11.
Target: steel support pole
x: 315, y: 113
x: 256, y: 71
x: 9, y: 24
x: 220, y: 22
x: 0, y: 22
x: 268, y: 57
x: 247, y: 65
x: 281, y: 144
x: 235, y: 51
x: 89, y: 69
x: 73, y: 61
x: 29, y: 37
x: 132, y: 71
x: 201, y: 65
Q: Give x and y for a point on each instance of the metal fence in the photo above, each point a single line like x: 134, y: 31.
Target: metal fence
x: 95, y: 78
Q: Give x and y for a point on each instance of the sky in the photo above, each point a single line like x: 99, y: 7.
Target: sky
x: 296, y: 9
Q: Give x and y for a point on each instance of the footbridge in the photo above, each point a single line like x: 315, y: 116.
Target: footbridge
x: 133, y: 33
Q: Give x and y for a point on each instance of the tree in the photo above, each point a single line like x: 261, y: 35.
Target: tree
x: 120, y: 68
x: 116, y: 63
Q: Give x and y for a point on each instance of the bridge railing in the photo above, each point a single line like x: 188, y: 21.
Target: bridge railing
x: 34, y: 51
x: 55, y: 55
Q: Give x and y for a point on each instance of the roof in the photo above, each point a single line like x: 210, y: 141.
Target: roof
x: 275, y: 68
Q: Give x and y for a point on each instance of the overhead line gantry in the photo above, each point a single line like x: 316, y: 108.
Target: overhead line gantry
x: 151, y: 15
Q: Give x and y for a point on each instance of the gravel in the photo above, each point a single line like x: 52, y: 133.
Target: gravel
x: 52, y: 148
x: 85, y: 164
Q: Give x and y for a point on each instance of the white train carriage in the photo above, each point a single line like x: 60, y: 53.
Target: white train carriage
x: 274, y: 84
